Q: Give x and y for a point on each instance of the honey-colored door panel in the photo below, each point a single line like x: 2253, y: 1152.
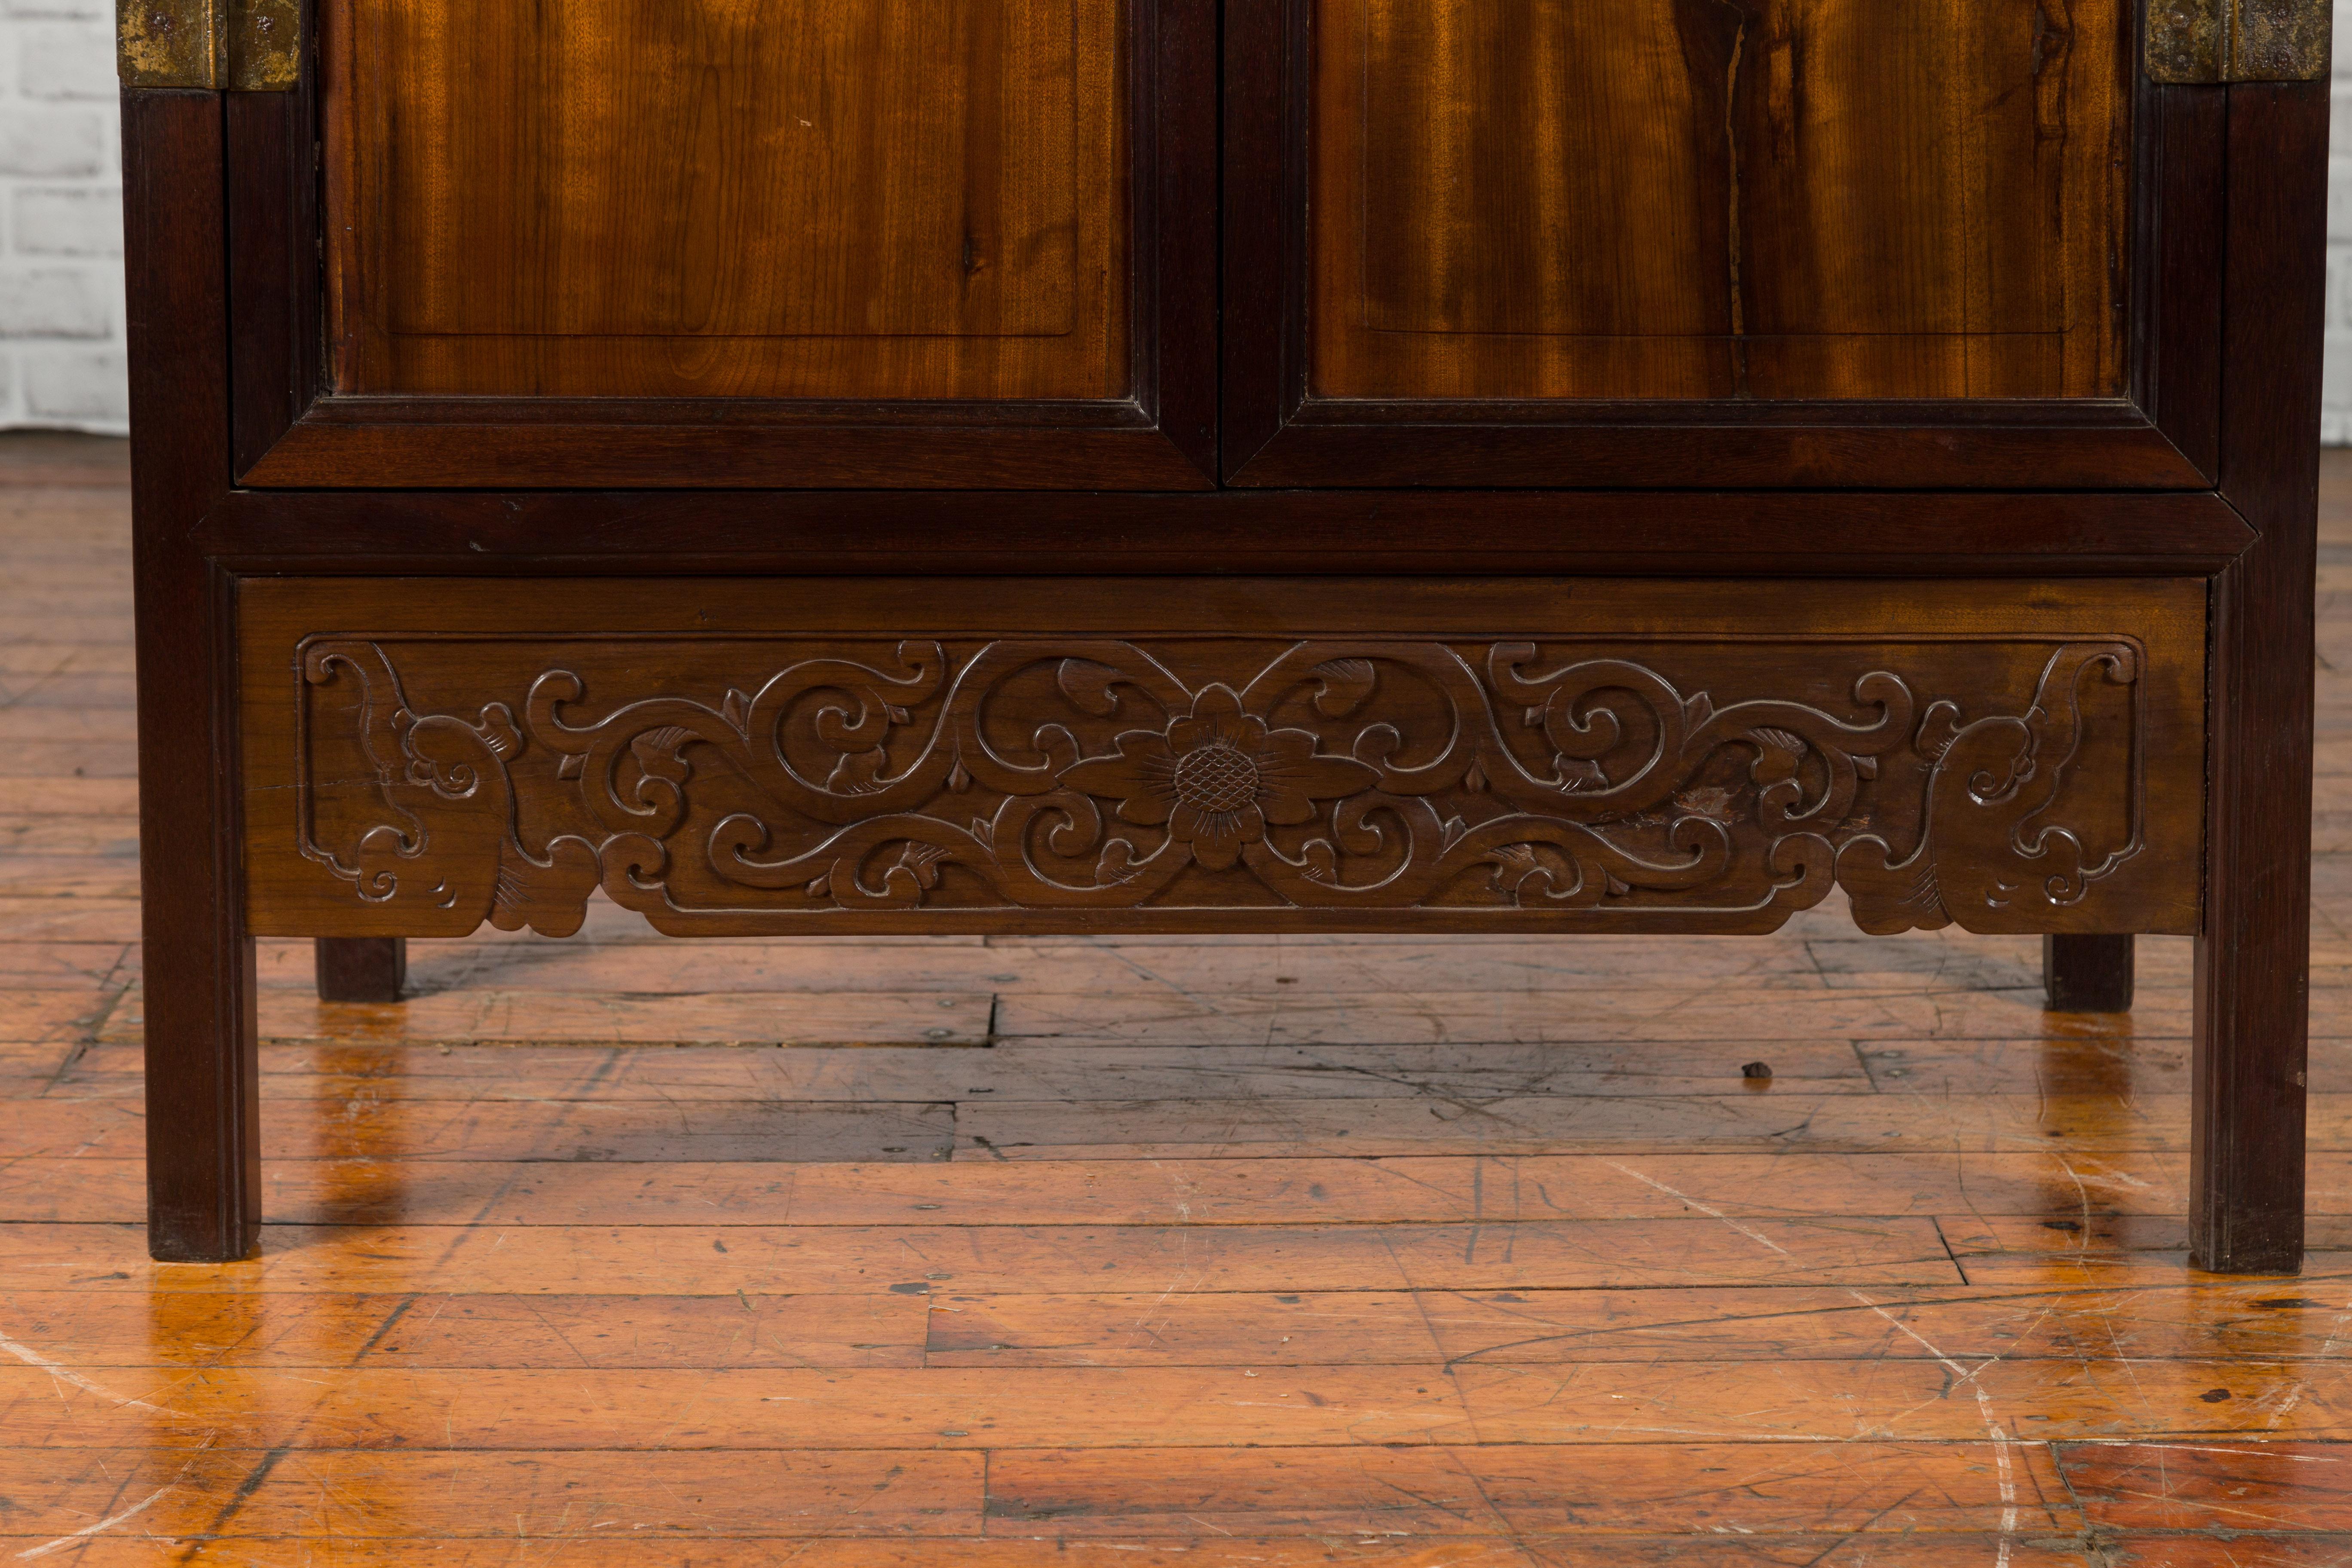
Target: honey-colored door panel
x: 1718, y: 198
x: 753, y: 198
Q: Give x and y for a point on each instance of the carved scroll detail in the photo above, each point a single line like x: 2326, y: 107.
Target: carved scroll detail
x: 1076, y: 774
x: 455, y: 840
x: 1988, y: 800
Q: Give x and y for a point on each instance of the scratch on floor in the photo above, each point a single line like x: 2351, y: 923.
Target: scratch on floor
x: 2287, y: 1400
x: 2272, y: 1453
x: 31, y: 1357
x: 1756, y: 1237
x: 64, y: 1541
x: 2004, y: 1476
x: 1144, y: 1322
x: 2336, y: 1333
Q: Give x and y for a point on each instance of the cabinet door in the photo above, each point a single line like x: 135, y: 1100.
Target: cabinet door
x: 780, y: 242
x: 1675, y: 242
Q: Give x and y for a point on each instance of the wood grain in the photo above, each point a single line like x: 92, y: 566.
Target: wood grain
x: 920, y: 1260
x: 847, y: 200
x: 895, y: 1410
x: 1446, y: 1492
x: 1039, y: 1551
x: 2227, y: 1486
x: 1801, y: 201
x: 382, y: 1187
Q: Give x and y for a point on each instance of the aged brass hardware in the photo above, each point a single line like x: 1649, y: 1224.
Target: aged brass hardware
x: 265, y: 45
x: 2237, y: 40
x: 171, y: 43
x: 243, y: 46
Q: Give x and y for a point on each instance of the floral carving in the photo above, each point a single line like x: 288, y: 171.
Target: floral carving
x: 1373, y: 776
x: 1217, y: 776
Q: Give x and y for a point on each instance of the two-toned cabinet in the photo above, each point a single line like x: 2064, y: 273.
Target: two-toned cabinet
x: 1446, y: 466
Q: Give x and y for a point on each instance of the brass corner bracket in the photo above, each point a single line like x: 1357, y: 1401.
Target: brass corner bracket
x: 239, y: 45
x: 2237, y: 40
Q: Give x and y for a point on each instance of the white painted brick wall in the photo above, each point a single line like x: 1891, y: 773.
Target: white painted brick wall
x: 2336, y: 404
x: 61, y: 360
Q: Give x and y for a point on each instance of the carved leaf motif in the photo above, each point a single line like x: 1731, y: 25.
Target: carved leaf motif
x: 499, y: 733
x: 1117, y: 863
x: 550, y: 896
x: 923, y: 862
x: 857, y: 773
x: 1938, y: 730
x: 1514, y: 864
x: 1346, y: 686
x: 1087, y: 684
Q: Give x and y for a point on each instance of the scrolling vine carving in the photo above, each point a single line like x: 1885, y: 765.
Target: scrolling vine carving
x: 1340, y: 775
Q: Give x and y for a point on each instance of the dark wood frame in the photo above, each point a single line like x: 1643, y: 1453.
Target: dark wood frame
x: 205, y: 362
x: 1277, y: 433
x: 2079, y: 974
x: 291, y: 431
x: 361, y: 969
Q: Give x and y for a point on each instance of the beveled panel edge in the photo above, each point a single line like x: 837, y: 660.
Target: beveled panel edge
x: 320, y: 451
x: 1836, y: 534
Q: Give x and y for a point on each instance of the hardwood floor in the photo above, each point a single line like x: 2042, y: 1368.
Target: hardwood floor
x: 1134, y: 1251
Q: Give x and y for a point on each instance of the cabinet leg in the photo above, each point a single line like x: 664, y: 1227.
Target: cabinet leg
x: 362, y: 968
x: 2086, y: 974
x: 204, y: 1109
x: 2246, y: 1127
x: 204, y: 1155
x: 2253, y: 955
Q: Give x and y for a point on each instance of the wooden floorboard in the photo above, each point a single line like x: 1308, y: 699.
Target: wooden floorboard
x: 1145, y: 1251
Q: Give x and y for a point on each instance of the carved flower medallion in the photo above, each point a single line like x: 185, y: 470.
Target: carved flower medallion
x: 1217, y: 776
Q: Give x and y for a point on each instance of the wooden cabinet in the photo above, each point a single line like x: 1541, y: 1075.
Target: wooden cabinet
x: 1268, y: 465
